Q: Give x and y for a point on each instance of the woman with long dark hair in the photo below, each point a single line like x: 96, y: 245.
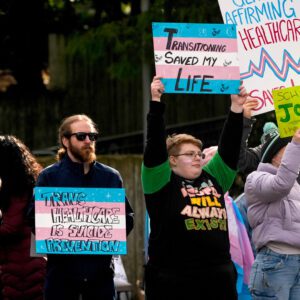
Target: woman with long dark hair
x: 22, y: 276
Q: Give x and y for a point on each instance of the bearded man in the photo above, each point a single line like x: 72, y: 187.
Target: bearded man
x: 91, y: 276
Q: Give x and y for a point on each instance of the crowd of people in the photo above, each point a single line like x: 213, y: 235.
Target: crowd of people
x: 195, y: 246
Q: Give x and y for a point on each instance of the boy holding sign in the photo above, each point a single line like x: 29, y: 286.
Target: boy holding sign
x: 189, y: 254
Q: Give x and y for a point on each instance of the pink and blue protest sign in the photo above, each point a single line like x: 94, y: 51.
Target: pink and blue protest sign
x: 197, y: 58
x: 80, y: 220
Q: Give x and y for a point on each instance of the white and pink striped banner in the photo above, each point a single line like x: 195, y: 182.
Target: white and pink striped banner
x: 196, y: 58
x: 80, y: 220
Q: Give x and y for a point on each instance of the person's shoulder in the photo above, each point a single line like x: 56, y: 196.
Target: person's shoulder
x: 100, y: 167
x: 51, y: 168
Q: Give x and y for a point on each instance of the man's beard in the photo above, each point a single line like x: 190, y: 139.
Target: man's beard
x: 85, y: 154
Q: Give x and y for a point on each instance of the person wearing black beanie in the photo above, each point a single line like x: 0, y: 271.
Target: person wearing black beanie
x: 272, y: 147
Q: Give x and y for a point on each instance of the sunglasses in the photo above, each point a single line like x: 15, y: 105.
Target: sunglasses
x: 81, y: 136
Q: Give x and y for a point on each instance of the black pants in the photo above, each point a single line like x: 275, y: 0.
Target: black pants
x: 64, y: 288
x: 207, y: 283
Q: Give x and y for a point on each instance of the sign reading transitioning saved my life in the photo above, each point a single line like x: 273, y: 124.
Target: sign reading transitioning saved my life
x: 196, y: 58
x: 80, y: 220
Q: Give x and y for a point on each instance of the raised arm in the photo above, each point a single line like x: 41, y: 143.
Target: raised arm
x: 156, y: 151
x: 273, y: 187
x: 249, y: 158
x: 156, y: 169
x: 230, y: 139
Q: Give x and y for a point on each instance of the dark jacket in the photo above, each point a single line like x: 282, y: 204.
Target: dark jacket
x: 67, y: 173
x: 22, y: 276
x: 186, y: 230
x: 249, y: 158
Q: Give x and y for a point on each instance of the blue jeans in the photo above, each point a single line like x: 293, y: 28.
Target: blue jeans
x: 275, y: 276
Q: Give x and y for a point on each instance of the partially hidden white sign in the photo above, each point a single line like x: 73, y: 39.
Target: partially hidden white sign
x: 268, y: 34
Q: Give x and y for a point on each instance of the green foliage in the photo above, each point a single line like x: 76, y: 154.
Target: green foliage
x: 58, y: 4
x: 120, y: 46
x: 115, y: 45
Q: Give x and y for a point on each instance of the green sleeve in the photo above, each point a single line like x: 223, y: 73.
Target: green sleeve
x: 223, y: 174
x: 153, y: 179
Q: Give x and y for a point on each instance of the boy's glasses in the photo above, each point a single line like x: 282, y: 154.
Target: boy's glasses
x: 81, y: 136
x: 192, y: 154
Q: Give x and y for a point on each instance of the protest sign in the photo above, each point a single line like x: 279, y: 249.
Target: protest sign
x: 80, y: 220
x: 269, y: 45
x: 196, y: 58
x: 287, y: 108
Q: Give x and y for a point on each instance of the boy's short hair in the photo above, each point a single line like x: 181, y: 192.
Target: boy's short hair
x: 174, y: 142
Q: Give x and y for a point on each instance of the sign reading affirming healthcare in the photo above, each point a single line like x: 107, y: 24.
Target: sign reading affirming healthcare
x: 287, y: 108
x: 269, y: 45
x: 196, y: 58
x: 80, y: 220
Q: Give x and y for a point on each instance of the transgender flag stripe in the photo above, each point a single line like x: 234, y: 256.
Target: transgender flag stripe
x: 171, y: 71
x: 190, y: 58
x: 91, y: 232
x: 161, y: 43
x: 228, y: 86
x: 187, y: 30
x: 41, y: 208
x: 92, y: 247
x: 45, y: 220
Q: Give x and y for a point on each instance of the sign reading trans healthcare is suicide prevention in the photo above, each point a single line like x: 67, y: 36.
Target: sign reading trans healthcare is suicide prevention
x: 80, y: 220
x: 197, y: 58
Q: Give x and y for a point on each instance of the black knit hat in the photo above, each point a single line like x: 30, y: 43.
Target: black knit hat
x: 271, y: 148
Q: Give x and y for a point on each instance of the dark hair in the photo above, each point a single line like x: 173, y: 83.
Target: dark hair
x: 18, y: 169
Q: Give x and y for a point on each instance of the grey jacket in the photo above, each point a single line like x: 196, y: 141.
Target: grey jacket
x: 273, y: 197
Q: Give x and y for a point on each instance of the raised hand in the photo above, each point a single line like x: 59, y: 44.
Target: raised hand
x: 157, y: 88
x: 296, y: 137
x: 237, y: 101
x: 249, y: 105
